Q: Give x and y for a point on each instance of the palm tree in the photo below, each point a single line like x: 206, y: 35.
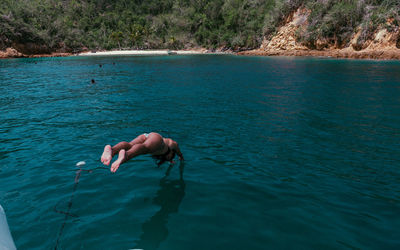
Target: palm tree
x: 117, y: 37
x: 136, y: 34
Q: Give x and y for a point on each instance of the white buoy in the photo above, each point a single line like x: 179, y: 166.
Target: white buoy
x: 81, y: 163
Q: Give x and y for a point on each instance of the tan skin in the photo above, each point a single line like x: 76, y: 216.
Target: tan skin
x: 154, y: 145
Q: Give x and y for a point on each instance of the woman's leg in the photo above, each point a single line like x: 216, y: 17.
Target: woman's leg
x: 109, y: 151
x: 140, y: 139
x: 119, y: 146
x: 152, y: 144
x: 123, y: 155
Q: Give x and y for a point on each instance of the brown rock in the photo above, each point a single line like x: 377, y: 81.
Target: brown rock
x: 383, y: 45
x: 10, y: 53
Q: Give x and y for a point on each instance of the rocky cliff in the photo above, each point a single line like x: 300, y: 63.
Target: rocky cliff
x: 383, y: 44
x: 18, y: 40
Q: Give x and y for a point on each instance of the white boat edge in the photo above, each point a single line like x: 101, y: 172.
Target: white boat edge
x: 6, y: 240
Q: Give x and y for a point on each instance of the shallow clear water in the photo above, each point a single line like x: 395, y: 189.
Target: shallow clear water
x: 280, y: 152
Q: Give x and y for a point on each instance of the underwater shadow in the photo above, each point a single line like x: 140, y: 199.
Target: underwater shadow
x: 169, y: 197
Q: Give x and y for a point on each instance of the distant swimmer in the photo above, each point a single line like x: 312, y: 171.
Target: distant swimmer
x: 93, y: 81
x: 161, y: 149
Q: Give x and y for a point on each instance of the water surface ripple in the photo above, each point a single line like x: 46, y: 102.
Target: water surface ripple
x: 281, y: 153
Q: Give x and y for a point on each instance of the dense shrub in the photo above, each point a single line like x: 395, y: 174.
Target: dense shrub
x: 236, y: 24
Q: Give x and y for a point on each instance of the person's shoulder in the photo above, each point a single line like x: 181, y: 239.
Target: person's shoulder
x: 169, y: 141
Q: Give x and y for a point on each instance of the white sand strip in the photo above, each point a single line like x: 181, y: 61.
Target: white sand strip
x: 143, y: 52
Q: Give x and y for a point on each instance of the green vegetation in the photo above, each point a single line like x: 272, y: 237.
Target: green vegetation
x: 71, y: 25
x: 336, y: 21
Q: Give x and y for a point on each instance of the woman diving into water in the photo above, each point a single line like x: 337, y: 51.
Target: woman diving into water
x: 161, y: 149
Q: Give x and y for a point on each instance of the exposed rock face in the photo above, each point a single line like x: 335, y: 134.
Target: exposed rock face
x: 285, y: 39
x: 10, y: 52
x: 336, y: 53
x: 384, y: 39
x: 398, y: 41
x: 13, y: 53
x: 384, y: 44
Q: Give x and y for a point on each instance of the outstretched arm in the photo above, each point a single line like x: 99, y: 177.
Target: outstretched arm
x: 176, y: 148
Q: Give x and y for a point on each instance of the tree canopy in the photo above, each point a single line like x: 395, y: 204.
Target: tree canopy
x: 72, y: 25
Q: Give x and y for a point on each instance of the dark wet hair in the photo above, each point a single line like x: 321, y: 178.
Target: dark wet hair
x: 160, y: 159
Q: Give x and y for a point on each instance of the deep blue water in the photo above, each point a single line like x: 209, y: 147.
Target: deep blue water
x: 280, y: 153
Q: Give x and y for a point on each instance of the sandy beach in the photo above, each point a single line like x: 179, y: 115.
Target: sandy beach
x: 12, y: 53
x: 144, y: 52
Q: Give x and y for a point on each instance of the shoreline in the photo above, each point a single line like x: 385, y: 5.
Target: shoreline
x: 10, y: 53
x: 384, y: 54
x: 144, y: 52
x: 347, y: 53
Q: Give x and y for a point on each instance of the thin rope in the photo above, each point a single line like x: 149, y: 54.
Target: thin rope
x: 67, y: 213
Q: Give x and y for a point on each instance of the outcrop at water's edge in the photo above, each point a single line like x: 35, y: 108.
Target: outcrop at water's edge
x: 383, y: 45
x: 10, y: 53
x: 14, y: 53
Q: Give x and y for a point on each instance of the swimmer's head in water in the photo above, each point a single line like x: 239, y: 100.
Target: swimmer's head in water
x: 170, y: 156
x: 165, y: 157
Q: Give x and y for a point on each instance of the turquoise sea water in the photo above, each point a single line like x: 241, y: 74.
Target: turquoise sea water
x: 281, y: 153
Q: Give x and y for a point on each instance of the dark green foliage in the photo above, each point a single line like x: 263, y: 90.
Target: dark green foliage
x: 277, y: 14
x: 236, y: 24
x: 336, y: 21
x: 333, y: 21
x: 379, y: 13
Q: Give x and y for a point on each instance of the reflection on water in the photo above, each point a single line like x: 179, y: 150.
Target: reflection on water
x: 169, y: 197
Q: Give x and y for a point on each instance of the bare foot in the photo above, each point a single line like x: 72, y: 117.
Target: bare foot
x: 107, y: 155
x: 121, y: 157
